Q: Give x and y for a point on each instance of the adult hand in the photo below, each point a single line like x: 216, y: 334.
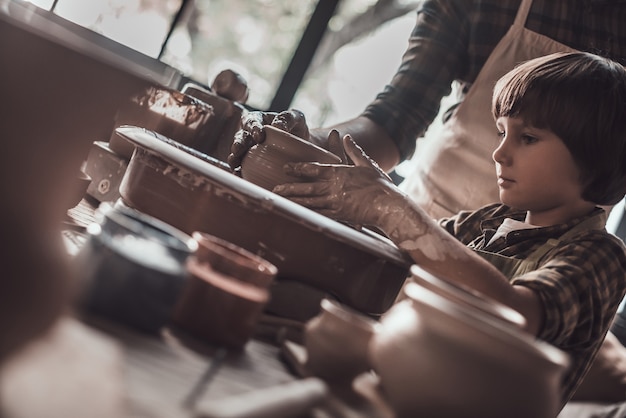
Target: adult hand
x: 359, y: 194
x: 252, y: 133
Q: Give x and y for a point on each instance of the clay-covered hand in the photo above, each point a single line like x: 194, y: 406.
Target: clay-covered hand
x: 252, y: 133
x: 359, y: 194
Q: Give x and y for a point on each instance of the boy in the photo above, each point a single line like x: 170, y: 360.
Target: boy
x: 543, y: 250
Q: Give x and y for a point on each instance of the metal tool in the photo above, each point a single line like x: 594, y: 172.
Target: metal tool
x: 201, y: 385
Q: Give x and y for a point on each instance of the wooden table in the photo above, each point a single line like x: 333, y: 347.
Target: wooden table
x: 165, y: 375
x: 162, y: 372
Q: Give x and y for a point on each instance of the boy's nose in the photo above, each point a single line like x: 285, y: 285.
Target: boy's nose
x: 500, y: 155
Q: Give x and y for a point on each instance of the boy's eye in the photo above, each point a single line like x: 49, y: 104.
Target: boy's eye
x: 528, y: 139
x: 501, y: 134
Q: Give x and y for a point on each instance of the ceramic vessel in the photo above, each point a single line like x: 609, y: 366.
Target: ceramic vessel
x: 264, y: 162
x: 217, y: 308
x: 361, y: 269
x: 222, y: 125
x: 169, y: 112
x: 438, y: 357
x: 234, y: 261
x: 337, y: 341
x: 132, y: 267
x: 466, y: 296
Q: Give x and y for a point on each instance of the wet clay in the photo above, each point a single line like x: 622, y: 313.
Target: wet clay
x: 264, y: 164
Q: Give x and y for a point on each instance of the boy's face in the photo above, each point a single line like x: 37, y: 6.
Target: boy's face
x: 536, y: 172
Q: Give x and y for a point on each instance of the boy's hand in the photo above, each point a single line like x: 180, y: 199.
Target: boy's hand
x: 356, y: 193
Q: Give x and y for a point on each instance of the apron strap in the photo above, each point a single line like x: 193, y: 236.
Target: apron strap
x: 522, y: 13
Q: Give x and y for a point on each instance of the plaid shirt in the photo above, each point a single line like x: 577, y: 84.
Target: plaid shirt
x: 580, y: 282
x: 452, y: 40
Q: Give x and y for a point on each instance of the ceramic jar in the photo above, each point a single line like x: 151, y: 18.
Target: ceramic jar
x: 228, y: 289
x: 234, y: 261
x: 218, y: 308
x: 223, y: 124
x: 264, y: 162
x: 466, y: 296
x: 337, y: 341
x: 439, y: 357
x: 132, y: 268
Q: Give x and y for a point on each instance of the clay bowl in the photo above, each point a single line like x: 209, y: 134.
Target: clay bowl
x: 132, y: 267
x: 217, y: 308
x: 169, y: 112
x: 232, y: 260
x: 264, y: 164
x: 468, y: 297
x: 439, y: 357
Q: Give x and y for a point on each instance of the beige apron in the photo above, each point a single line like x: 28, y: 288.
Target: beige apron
x: 452, y: 168
x: 513, y: 267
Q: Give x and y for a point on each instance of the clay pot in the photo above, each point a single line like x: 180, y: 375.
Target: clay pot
x: 264, y: 163
x: 439, y: 357
x: 234, y: 261
x: 217, y: 308
x: 222, y: 125
x: 337, y: 342
x: 132, y: 268
x: 466, y: 296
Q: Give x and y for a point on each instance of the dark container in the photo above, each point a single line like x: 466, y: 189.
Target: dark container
x: 132, y: 267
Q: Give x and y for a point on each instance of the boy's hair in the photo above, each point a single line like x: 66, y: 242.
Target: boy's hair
x: 581, y: 97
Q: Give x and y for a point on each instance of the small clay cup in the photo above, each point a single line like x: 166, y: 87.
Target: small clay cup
x: 337, y: 342
x: 234, y: 261
x: 217, y: 308
x: 264, y: 163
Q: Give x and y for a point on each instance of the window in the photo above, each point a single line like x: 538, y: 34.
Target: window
x: 256, y: 38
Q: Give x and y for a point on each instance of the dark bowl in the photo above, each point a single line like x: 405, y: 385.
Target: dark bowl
x: 132, y: 267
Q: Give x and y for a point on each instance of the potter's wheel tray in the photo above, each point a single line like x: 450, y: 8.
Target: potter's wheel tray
x: 362, y: 269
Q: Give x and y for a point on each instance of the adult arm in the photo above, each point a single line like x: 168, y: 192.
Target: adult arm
x: 388, y: 128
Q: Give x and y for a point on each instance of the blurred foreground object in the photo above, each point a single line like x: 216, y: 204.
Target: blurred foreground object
x: 49, y: 377
x: 61, y: 85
